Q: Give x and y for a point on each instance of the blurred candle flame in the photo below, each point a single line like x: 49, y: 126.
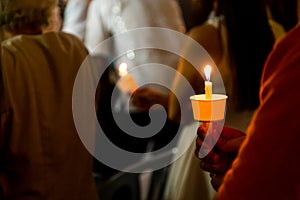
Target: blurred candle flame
x: 126, y: 83
x: 207, y: 72
x: 123, y: 69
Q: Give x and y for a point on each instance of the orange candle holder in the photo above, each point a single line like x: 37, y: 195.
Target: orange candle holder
x: 208, y: 109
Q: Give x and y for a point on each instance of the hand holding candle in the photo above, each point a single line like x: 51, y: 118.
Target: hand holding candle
x: 127, y: 83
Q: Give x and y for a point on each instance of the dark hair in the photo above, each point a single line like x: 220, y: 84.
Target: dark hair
x: 62, y: 7
x: 195, y: 12
x: 284, y: 12
x: 250, y: 39
x: 17, y: 15
x: 20, y: 21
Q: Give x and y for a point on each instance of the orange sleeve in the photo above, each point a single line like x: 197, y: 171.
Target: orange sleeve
x: 268, y: 164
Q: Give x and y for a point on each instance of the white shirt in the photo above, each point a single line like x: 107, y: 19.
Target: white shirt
x: 109, y: 18
x: 75, y: 17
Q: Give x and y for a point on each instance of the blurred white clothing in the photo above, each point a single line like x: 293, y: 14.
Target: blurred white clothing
x: 109, y: 18
x: 75, y: 17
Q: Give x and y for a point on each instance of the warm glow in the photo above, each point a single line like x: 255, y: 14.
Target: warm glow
x: 207, y: 72
x: 123, y: 69
x: 126, y: 83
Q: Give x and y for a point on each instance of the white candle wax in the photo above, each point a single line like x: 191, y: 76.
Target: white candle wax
x: 208, y: 89
x: 208, y: 84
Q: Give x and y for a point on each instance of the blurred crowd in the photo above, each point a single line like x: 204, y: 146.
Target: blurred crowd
x: 254, y: 45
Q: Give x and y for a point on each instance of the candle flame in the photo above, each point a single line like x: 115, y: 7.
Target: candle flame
x: 207, y: 72
x: 123, y: 69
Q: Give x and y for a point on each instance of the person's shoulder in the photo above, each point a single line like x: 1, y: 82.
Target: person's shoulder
x: 277, y: 29
x: 294, y: 31
x: 287, y: 48
x: 290, y: 40
x: 200, y: 32
x: 9, y: 40
x: 209, y: 37
x: 68, y: 36
x: 283, y: 60
x: 13, y: 43
x: 68, y: 39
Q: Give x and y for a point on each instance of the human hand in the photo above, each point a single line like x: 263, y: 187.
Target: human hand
x: 216, y: 180
x: 220, y: 156
x: 146, y: 97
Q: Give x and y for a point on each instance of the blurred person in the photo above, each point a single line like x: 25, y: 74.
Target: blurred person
x: 280, y: 24
x: 284, y: 12
x: 42, y: 156
x: 223, y: 37
x: 238, y: 59
x: 283, y: 16
x: 75, y: 17
x: 298, y: 9
x: 106, y: 19
x: 263, y: 163
x: 62, y: 6
x: 239, y: 42
x: 195, y: 12
x: 56, y: 19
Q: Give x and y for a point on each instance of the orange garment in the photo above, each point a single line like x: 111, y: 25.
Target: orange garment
x: 41, y: 155
x: 268, y: 164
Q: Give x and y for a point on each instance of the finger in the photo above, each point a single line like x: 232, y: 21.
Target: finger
x: 141, y: 90
x: 230, y: 145
x: 213, y: 132
x: 199, y: 142
x: 202, y: 130
x: 217, y: 180
x: 211, y: 158
x: 211, y: 175
x: 206, y: 154
x: 217, y: 131
x: 203, y: 147
x: 213, y: 168
x: 229, y: 133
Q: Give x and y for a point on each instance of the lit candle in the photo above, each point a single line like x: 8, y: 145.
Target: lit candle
x: 127, y: 83
x: 123, y: 69
x: 208, y: 83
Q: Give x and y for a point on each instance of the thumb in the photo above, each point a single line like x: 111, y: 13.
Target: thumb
x: 230, y: 145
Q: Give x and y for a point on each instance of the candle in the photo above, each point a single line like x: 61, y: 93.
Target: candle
x: 208, y: 83
x: 123, y: 69
x: 127, y: 83
x: 208, y: 107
